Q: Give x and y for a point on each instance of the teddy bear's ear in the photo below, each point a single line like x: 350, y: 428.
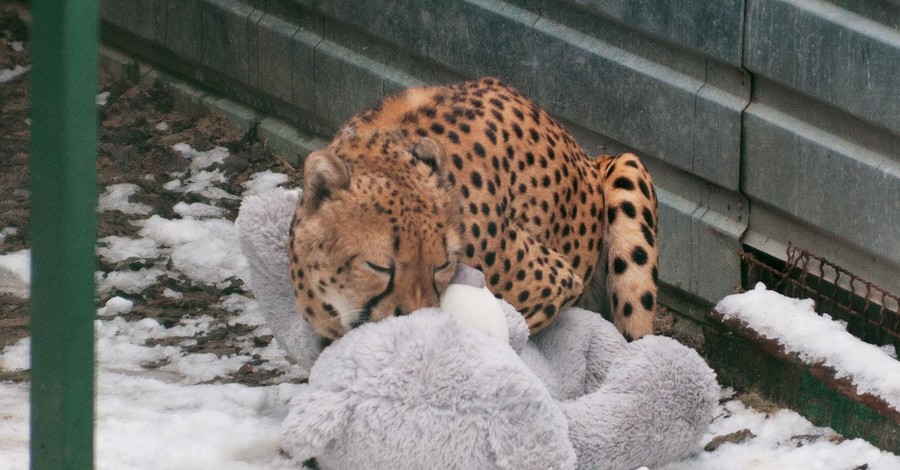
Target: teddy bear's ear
x: 316, y: 418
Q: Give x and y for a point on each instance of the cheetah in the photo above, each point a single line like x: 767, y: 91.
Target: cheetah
x: 471, y: 173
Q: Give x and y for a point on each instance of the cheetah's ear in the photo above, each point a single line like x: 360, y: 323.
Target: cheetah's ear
x: 431, y: 153
x: 323, y: 174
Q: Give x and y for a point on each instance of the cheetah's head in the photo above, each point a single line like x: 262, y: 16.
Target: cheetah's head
x: 374, y: 236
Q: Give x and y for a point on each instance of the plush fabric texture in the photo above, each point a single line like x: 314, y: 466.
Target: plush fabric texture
x: 263, y: 223
x: 427, y: 391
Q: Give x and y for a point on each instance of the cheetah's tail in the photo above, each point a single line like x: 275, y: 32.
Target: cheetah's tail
x: 630, y: 244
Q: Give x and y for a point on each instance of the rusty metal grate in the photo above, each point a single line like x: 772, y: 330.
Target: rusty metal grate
x: 871, y: 312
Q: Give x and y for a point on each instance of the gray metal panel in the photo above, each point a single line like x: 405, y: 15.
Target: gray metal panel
x: 343, y: 86
x: 151, y: 24
x: 225, y: 39
x: 303, y: 70
x: 698, y: 248
x: 667, y: 114
x: 831, y: 54
x: 712, y: 27
x: 182, y: 26
x: 273, y: 56
x: 840, y: 187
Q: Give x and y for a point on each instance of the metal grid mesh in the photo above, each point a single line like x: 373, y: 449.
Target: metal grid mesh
x: 871, y: 312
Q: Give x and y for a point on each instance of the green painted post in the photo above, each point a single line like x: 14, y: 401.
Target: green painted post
x: 63, y: 230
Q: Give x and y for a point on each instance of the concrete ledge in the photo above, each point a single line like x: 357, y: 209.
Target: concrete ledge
x: 745, y: 360
x: 289, y: 142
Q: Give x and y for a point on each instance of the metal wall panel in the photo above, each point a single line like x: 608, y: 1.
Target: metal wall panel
x: 711, y: 27
x: 789, y: 113
x: 829, y: 53
x: 822, y: 135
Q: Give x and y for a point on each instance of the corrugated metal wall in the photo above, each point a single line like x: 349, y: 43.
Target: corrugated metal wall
x: 763, y: 121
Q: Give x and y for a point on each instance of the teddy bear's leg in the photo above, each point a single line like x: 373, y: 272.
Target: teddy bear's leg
x: 579, y: 348
x: 263, y: 223
x: 653, y: 406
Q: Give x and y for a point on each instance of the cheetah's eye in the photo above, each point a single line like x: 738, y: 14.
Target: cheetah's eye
x: 379, y: 269
x: 442, y: 267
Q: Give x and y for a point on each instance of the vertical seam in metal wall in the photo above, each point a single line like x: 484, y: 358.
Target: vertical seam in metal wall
x: 742, y: 147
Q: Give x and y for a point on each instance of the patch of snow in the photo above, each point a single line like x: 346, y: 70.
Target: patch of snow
x: 816, y: 339
x: 15, y: 273
x: 15, y: 416
x: 172, y: 294
x: 173, y: 232
x: 197, y: 209
x: 115, y: 249
x: 8, y: 75
x: 132, y: 282
x: 16, y: 356
x: 201, y: 160
x: 202, y: 426
x: 263, y: 181
x: 784, y: 439
x: 249, y: 316
x: 126, y: 346
x: 7, y: 231
x: 115, y: 197
x: 115, y: 306
x: 234, y: 303
x: 17, y: 46
x: 201, y: 180
x: 204, y: 250
x: 162, y: 126
x: 18, y: 263
x: 210, y: 260
x: 147, y: 421
x: 204, y: 367
x: 102, y: 98
x: 203, y: 183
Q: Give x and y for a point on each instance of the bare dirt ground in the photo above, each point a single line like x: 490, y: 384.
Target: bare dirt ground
x: 129, y: 149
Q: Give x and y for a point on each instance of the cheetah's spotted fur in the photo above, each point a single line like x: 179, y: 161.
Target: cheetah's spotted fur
x: 473, y: 173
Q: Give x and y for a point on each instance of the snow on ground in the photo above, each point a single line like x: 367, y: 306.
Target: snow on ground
x: 264, y: 181
x: 8, y: 75
x: 159, y: 405
x: 205, y: 250
x: 15, y: 273
x: 115, y: 249
x: 115, y: 197
x: 197, y: 209
x: 817, y: 339
x: 153, y: 421
x: 18, y: 264
x: 102, y: 98
x: 782, y: 440
x: 7, y: 231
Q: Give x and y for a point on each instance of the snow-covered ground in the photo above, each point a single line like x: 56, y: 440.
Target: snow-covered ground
x: 161, y: 406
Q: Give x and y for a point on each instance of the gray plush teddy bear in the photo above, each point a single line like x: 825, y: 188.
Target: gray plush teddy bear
x: 429, y: 391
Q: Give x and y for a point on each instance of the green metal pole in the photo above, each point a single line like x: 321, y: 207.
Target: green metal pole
x: 65, y: 40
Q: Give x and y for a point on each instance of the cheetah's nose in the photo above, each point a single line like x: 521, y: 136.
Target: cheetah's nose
x: 421, y: 298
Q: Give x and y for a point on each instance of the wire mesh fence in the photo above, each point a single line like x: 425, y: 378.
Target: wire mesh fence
x: 871, y: 312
